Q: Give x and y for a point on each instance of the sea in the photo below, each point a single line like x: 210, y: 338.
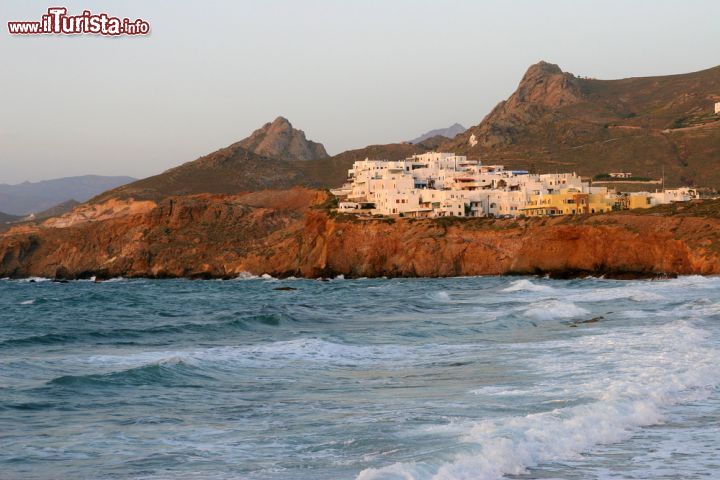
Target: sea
x: 455, y: 378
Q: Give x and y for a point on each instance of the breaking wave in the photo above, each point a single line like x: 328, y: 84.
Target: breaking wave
x: 671, y: 365
x: 553, y: 310
x: 525, y: 285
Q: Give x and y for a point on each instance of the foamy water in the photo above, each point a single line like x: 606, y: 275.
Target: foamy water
x: 463, y: 378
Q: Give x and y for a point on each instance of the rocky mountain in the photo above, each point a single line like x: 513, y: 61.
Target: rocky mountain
x: 450, y: 132
x: 278, y: 139
x: 240, y: 168
x: 293, y: 232
x: 26, y: 198
x: 556, y: 121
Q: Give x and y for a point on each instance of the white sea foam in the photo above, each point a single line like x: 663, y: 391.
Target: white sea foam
x: 114, y: 280
x: 442, y: 295
x: 636, y: 293
x: 500, y: 391
x: 35, y: 279
x: 553, y: 310
x: 246, y: 276
x: 311, y: 351
x: 525, y: 285
x: 632, y: 377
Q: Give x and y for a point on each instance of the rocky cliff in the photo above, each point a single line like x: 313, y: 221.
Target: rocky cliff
x: 285, y: 233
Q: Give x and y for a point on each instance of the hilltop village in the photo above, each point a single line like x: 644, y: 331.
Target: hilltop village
x: 438, y: 184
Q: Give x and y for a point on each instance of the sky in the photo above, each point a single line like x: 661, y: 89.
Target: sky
x: 348, y: 73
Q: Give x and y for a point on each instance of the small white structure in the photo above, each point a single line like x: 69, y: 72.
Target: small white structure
x: 683, y: 194
x: 348, y: 206
x: 620, y: 174
x: 717, y: 107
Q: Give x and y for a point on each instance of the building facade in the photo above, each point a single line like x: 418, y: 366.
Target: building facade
x: 438, y: 184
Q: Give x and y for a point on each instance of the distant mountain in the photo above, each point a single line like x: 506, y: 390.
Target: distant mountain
x: 271, y: 158
x: 26, y: 198
x: 450, y: 132
x: 6, y: 218
x: 8, y: 221
x: 556, y: 121
x: 280, y: 140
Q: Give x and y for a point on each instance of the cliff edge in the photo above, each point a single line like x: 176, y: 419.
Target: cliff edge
x: 292, y: 233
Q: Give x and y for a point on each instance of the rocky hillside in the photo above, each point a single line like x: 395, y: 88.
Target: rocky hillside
x: 281, y: 141
x: 556, y: 121
x: 292, y: 233
x: 267, y: 159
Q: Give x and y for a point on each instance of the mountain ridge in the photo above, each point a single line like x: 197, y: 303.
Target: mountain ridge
x: 238, y: 168
x: 450, y: 132
x: 554, y: 121
x: 32, y: 197
x: 557, y: 121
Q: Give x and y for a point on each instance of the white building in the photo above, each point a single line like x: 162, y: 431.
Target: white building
x: 437, y: 184
x: 717, y: 108
x: 683, y: 194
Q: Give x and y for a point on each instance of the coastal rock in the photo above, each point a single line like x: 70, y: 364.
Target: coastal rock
x: 291, y: 233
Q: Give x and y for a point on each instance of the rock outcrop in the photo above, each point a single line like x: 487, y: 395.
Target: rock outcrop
x: 285, y: 233
x: 543, y: 88
x: 280, y: 140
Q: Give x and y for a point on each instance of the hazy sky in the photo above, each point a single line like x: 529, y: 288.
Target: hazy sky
x: 349, y: 73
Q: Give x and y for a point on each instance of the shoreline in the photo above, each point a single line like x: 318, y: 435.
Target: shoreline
x: 570, y: 275
x: 220, y: 237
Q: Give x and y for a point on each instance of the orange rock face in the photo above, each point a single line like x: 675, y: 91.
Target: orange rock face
x: 285, y: 233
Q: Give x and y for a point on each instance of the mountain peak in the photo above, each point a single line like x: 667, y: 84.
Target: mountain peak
x: 542, y: 68
x: 547, y: 85
x: 280, y: 120
x: 278, y: 139
x: 544, y: 88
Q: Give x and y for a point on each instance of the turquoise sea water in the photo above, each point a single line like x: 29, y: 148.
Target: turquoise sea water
x: 462, y: 378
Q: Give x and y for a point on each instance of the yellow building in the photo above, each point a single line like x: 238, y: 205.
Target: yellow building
x: 567, y: 202
x: 636, y: 200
